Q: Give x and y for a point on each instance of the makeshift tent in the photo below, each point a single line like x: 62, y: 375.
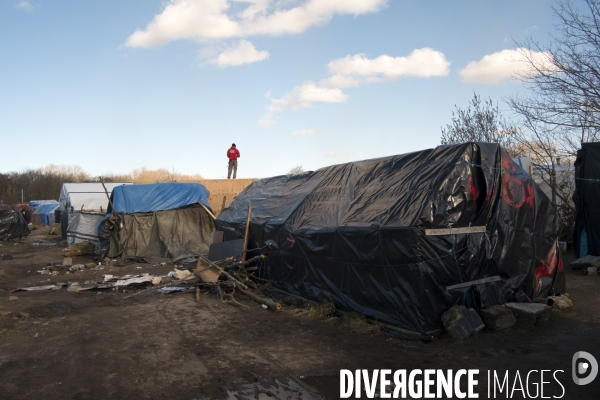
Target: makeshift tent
x: 587, y: 200
x: 90, y: 198
x: 401, y: 239
x: 163, y: 220
x: 12, y: 225
x: 83, y: 226
x: 86, y: 196
x: 44, y: 212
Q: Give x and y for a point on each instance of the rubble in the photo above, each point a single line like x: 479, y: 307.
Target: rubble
x: 461, y: 322
x: 586, y: 262
x: 498, y: 317
x: 590, y: 271
x: 561, y: 302
x: 530, y: 312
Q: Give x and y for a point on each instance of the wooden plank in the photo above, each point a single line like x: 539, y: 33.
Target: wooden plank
x: 475, y: 282
x: 455, y: 231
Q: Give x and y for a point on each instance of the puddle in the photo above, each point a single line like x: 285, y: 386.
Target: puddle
x: 285, y: 389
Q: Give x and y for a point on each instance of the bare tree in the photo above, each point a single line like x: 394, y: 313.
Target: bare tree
x: 563, y: 79
x: 480, y: 122
x: 296, y: 170
x: 562, y: 108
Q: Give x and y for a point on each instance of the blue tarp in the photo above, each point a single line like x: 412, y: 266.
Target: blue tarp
x: 44, y: 213
x: 131, y: 199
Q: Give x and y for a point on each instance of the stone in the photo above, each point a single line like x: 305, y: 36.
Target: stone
x: 522, y: 297
x: 586, y: 262
x: 561, y: 302
x: 90, y: 265
x: 67, y: 261
x: 498, y: 318
x: 12, y: 298
x: 530, y: 312
x: 461, y: 322
x: 7, y: 257
x: 592, y: 271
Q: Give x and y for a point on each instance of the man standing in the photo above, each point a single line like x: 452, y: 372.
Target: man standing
x: 232, y: 154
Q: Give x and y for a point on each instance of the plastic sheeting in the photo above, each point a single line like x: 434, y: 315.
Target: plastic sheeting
x: 159, y: 196
x: 43, y: 213
x: 86, y: 196
x: 162, y: 220
x: 84, y: 226
x: 355, y: 234
x: 166, y: 234
x: 587, y: 193
x: 12, y: 225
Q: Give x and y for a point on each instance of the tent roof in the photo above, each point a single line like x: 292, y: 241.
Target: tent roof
x: 158, y: 196
x: 87, y: 196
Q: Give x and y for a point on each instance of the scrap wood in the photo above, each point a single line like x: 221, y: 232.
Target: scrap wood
x: 268, y: 302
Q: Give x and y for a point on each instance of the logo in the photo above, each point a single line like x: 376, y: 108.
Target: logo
x: 584, y: 364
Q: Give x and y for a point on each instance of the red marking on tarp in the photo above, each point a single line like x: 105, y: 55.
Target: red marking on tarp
x: 291, y: 240
x: 473, y: 189
x: 514, y: 192
x: 553, y: 260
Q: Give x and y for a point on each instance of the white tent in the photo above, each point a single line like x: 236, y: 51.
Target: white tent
x: 83, y: 206
x: 85, y: 196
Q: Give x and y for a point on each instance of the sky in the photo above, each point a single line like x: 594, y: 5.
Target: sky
x: 114, y: 85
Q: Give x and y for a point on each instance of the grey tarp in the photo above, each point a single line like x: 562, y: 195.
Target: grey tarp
x: 83, y: 226
x: 166, y: 234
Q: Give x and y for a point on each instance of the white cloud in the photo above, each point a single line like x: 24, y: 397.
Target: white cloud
x: 356, y: 70
x: 305, y: 132
x: 217, y: 19
x: 25, y: 5
x: 336, y: 154
x: 243, y: 53
x: 422, y: 63
x: 304, y: 95
x: 496, y: 67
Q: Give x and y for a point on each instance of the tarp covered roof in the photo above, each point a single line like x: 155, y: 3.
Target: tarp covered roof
x: 86, y: 196
x: 158, y: 196
x: 44, y: 213
x: 358, y: 234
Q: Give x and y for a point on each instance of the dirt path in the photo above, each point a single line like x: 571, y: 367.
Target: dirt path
x: 66, y: 345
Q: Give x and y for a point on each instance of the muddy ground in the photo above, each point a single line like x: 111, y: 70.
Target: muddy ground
x: 100, y: 345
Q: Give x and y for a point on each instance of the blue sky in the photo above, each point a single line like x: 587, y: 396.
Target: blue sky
x: 116, y: 85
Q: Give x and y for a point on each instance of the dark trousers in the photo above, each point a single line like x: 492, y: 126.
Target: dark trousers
x: 232, y: 165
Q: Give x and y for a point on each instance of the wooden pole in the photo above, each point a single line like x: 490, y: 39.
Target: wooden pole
x: 223, y: 204
x: 245, y: 247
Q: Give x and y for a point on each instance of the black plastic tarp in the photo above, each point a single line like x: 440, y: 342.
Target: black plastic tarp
x: 12, y: 225
x: 587, y: 200
x: 356, y: 234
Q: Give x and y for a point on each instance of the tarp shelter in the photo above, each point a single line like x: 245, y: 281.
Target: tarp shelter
x: 587, y: 200
x: 89, y: 199
x: 401, y: 239
x: 163, y: 220
x: 44, y: 212
x: 12, y: 225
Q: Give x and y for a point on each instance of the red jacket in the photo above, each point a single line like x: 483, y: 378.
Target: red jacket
x: 233, y: 153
